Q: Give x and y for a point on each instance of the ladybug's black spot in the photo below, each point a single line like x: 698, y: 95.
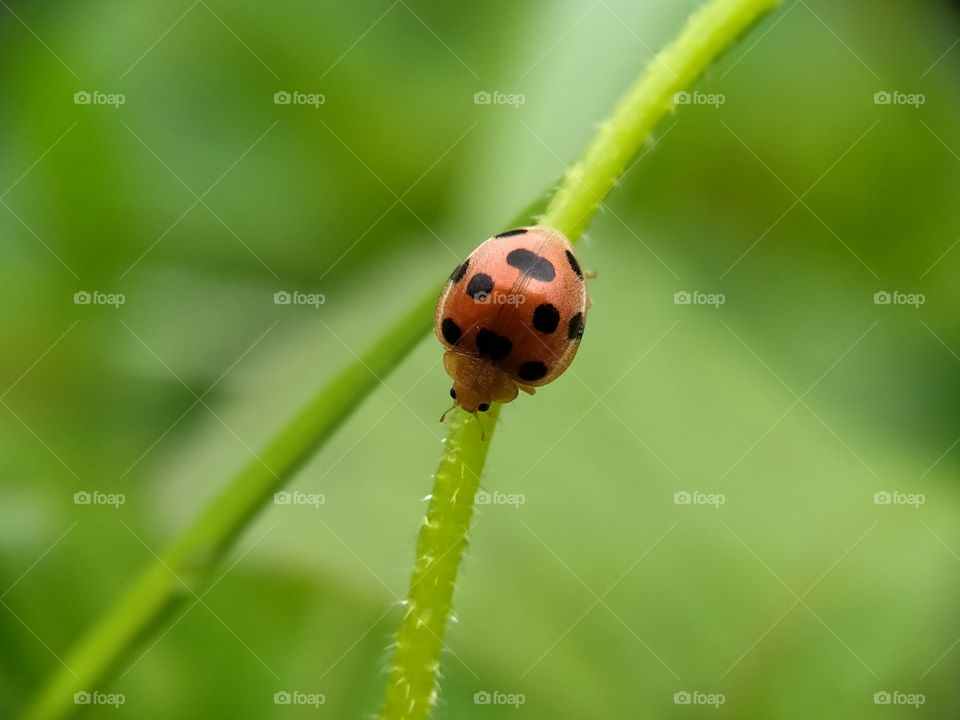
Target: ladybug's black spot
x: 574, y: 264
x: 459, y: 271
x: 575, y: 327
x: 480, y: 286
x: 546, y: 318
x: 532, y: 370
x: 453, y: 393
x: 531, y: 264
x: 511, y: 233
x: 493, y: 345
x: 483, y: 407
x: 451, y: 331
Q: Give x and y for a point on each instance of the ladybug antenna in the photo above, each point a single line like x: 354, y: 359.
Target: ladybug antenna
x: 443, y: 417
x: 483, y: 432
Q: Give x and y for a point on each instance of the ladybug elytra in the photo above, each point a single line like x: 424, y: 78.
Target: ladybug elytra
x: 511, y: 316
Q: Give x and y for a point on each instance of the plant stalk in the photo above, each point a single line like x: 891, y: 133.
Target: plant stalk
x: 412, y: 688
x: 443, y: 537
x: 158, y: 591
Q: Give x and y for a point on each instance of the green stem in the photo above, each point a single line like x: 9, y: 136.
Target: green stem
x: 707, y: 34
x: 198, y: 551
x: 443, y: 537
x: 200, y: 548
x: 412, y: 684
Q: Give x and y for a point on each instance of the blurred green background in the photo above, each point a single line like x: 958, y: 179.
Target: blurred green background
x: 796, y: 194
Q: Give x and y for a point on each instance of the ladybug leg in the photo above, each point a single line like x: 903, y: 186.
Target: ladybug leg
x: 589, y: 274
x: 527, y: 389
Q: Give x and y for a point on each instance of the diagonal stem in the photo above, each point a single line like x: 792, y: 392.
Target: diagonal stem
x: 412, y: 688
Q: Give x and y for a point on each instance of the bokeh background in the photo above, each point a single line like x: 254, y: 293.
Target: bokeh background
x: 787, y: 585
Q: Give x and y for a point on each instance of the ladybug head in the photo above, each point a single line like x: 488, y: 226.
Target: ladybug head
x: 469, y: 399
x: 477, y: 384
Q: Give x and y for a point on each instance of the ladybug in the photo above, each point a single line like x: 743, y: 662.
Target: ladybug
x: 511, y: 316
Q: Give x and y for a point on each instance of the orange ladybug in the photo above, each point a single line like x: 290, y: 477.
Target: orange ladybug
x: 511, y: 316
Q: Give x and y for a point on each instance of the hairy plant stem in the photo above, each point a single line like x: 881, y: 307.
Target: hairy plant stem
x: 185, y: 569
x: 412, y: 684
x: 708, y: 32
x: 439, y: 549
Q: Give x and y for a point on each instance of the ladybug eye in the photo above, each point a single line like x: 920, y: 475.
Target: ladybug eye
x: 453, y: 393
x: 483, y: 407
